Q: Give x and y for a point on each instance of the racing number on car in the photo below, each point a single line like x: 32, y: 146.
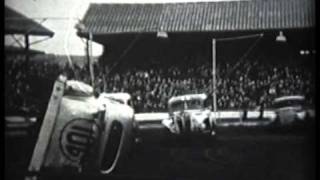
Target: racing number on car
x: 77, y: 137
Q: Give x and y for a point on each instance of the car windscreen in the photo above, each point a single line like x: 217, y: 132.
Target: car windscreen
x: 187, y: 105
x: 288, y: 103
x: 177, y: 106
x: 116, y: 100
x: 194, y: 104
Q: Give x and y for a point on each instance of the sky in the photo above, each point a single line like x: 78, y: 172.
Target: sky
x: 63, y: 16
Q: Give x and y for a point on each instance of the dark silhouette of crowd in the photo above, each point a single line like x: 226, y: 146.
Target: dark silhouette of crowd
x: 28, y: 85
x: 245, y: 84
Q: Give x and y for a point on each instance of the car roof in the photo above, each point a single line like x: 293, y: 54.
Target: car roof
x: 187, y: 97
x: 285, y: 98
x: 123, y: 96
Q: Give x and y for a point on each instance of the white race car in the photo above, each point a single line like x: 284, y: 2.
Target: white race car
x: 290, y: 109
x: 187, y: 113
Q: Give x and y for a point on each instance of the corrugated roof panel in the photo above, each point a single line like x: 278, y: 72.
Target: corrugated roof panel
x: 125, y: 24
x: 184, y: 12
x: 159, y: 11
x: 97, y: 18
x: 154, y: 18
x: 302, y: 14
x: 293, y: 12
x: 119, y: 22
x: 231, y: 16
x: 181, y: 17
x: 272, y: 15
x: 299, y: 15
x: 146, y: 18
x: 242, y: 16
x: 284, y: 19
x: 204, y: 21
x: 194, y: 9
x: 212, y: 12
x: 221, y: 13
x: 176, y: 21
x: 249, y: 9
x: 312, y: 13
x: 16, y: 23
x: 260, y: 14
x: 249, y: 21
x: 255, y: 19
x: 106, y: 20
x: 187, y: 17
x: 165, y: 20
x: 234, y: 15
x: 171, y: 13
x: 193, y: 22
x: 142, y: 14
x: 112, y: 23
x: 305, y: 13
x: 200, y: 16
x: 311, y: 17
x: 227, y: 23
x: 196, y: 18
x: 238, y: 19
x: 135, y: 20
x: 110, y: 20
x: 264, y: 17
x: 224, y: 16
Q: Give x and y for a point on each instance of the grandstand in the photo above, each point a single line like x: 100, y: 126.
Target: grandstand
x: 154, y: 68
x: 157, y: 51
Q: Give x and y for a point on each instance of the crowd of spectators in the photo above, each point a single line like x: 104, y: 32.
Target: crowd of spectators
x: 244, y: 85
x: 28, y: 85
x: 239, y: 85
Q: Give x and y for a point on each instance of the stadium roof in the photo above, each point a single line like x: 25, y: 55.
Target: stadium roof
x: 199, y: 16
x: 16, y: 23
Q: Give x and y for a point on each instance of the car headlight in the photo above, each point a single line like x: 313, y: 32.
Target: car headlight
x: 301, y: 115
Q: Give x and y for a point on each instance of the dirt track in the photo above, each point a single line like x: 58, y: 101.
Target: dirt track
x: 229, y: 156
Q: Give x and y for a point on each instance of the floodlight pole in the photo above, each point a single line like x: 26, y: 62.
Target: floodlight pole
x: 214, y: 74
x: 214, y: 80
x: 89, y: 54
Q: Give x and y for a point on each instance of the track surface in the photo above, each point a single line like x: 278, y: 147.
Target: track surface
x: 229, y: 156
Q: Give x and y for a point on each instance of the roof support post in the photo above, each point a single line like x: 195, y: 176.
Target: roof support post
x: 27, y: 47
x: 89, y: 54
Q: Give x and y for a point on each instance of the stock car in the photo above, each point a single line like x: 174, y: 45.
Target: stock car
x: 188, y: 113
x: 292, y: 109
x: 92, y: 134
x: 197, y: 106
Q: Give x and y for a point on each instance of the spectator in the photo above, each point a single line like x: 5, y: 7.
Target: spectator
x: 151, y: 87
